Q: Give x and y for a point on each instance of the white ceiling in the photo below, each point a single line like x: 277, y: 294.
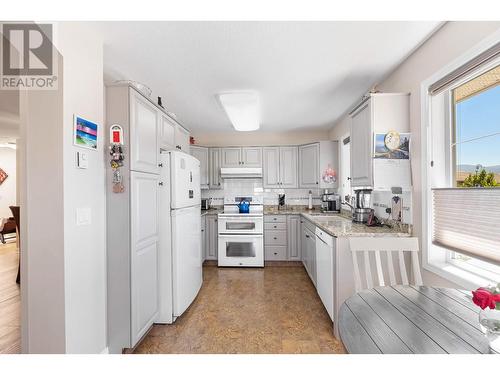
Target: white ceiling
x: 307, y: 73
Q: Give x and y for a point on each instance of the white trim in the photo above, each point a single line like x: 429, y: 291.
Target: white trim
x: 441, y: 267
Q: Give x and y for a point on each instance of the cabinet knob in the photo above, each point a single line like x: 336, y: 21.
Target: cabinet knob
x: 275, y: 253
x: 275, y: 226
x: 307, y: 236
x: 160, y: 183
x: 275, y: 238
x: 317, y: 182
x: 160, y: 165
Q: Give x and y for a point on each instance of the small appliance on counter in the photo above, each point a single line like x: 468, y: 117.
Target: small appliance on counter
x: 206, y: 203
x: 362, y: 210
x: 330, y: 202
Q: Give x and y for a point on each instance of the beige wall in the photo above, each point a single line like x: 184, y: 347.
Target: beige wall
x: 448, y: 44
x: 84, y: 245
x: 258, y: 138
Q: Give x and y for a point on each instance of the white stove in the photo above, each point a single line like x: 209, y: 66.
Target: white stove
x: 241, y: 235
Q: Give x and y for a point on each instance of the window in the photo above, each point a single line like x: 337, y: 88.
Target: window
x: 476, y: 108
x: 462, y: 178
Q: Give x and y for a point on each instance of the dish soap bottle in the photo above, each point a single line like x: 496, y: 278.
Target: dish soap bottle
x: 310, y: 205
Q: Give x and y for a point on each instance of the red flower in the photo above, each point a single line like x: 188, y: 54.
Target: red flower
x: 484, y: 298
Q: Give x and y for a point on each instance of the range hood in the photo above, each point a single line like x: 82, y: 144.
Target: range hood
x: 241, y: 172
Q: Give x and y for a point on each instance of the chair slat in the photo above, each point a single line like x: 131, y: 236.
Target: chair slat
x: 368, y: 271
x: 402, y: 268
x: 416, y: 269
x: 390, y: 267
x: 380, y: 274
x: 357, y: 277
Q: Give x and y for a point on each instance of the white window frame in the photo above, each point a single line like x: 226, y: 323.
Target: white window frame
x: 434, y: 258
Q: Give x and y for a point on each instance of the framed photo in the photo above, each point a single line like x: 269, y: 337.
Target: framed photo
x: 392, y: 145
x: 85, y: 133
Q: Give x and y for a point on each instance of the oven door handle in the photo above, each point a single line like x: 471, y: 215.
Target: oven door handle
x: 244, y: 235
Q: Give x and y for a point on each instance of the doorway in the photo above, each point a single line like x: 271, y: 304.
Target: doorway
x: 10, y: 299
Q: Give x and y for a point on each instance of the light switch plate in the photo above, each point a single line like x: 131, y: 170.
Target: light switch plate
x: 83, y: 216
x: 82, y: 160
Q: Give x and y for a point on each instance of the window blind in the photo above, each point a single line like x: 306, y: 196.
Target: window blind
x: 459, y: 73
x: 467, y: 220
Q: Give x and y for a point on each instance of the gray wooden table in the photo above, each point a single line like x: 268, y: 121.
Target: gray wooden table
x: 408, y: 319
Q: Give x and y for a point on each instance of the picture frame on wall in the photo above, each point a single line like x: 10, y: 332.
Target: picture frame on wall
x: 85, y: 133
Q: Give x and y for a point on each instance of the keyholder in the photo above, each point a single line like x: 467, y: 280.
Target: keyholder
x: 117, y: 157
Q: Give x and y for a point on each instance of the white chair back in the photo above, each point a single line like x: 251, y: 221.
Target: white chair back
x: 389, y: 246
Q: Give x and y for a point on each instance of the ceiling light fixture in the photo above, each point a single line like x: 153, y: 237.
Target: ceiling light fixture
x: 242, y: 108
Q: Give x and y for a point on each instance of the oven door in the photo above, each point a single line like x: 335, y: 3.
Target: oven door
x: 240, y: 224
x: 241, y: 251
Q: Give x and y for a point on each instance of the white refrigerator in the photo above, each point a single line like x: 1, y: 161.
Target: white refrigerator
x: 180, y: 257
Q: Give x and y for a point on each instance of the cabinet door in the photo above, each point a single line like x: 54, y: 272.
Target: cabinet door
x: 215, y: 181
x: 144, y: 248
x: 271, y: 169
x: 203, y: 238
x: 212, y: 237
x: 166, y: 133
x: 311, y: 255
x: 288, y: 167
x: 294, y: 237
x: 201, y: 153
x: 231, y: 157
x: 251, y: 157
x: 309, y: 166
x: 144, y: 148
x: 361, y: 147
x: 181, y: 138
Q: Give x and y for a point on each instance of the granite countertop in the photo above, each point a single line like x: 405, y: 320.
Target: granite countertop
x: 339, y: 226
x: 212, y: 211
x: 290, y: 210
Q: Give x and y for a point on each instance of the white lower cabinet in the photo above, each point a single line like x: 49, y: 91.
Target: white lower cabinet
x: 144, y: 252
x: 203, y: 238
x: 212, y: 238
x: 294, y: 237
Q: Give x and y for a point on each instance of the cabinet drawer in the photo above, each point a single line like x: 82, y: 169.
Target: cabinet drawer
x: 275, y: 253
x: 275, y: 218
x: 275, y: 226
x: 275, y: 237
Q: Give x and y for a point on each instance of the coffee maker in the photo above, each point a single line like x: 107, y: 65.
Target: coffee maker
x: 330, y: 202
x: 362, y: 209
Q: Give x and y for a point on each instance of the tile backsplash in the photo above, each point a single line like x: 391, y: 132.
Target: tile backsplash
x: 254, y: 187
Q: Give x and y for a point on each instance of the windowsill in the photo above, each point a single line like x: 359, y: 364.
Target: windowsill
x: 457, y: 275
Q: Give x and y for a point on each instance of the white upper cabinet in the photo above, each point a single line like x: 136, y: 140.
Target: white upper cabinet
x: 144, y: 119
x: 288, y: 167
x: 230, y: 157
x: 166, y: 133
x: 181, y: 139
x: 215, y: 181
x: 379, y: 114
x: 271, y: 170
x: 201, y: 153
x: 251, y: 157
x: 309, y: 166
x: 280, y: 167
x: 361, y: 146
